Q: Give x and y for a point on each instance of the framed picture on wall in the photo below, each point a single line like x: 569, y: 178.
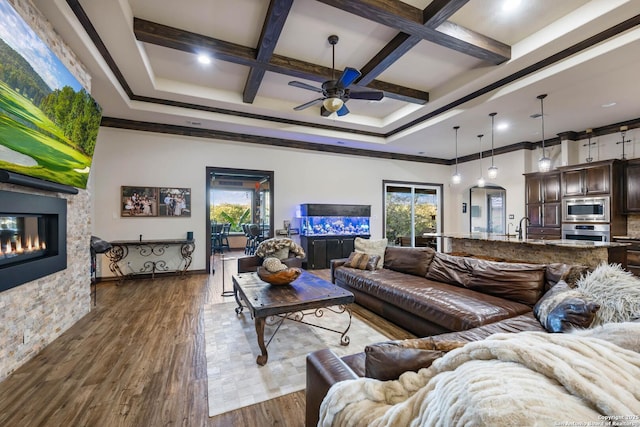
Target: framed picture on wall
x: 175, y: 202
x: 139, y: 201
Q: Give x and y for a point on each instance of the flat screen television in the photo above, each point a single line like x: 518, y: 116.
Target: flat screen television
x: 48, y: 121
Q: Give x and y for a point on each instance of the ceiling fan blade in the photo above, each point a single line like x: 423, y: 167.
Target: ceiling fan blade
x: 343, y: 111
x: 308, y: 104
x: 371, y: 95
x: 305, y: 86
x: 348, y: 76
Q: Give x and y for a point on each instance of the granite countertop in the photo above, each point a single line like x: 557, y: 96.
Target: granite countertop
x: 513, y: 238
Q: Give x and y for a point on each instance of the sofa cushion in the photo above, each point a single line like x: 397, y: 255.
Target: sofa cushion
x: 358, y: 362
x: 563, y: 308
x: 388, y: 360
x: 452, y: 307
x: 408, y: 260
x: 362, y: 261
x: 515, y: 281
x: 371, y: 247
x: 449, y: 269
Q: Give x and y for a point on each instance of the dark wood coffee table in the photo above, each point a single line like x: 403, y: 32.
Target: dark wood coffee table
x: 307, y: 295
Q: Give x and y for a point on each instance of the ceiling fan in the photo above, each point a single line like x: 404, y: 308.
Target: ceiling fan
x: 335, y: 93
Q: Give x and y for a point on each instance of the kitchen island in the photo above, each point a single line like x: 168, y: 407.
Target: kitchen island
x: 510, y: 248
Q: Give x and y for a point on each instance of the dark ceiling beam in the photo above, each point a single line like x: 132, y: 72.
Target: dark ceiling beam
x: 262, y: 140
x: 174, y: 38
x: 433, y: 15
x: 439, y: 11
x: 271, y: 30
x: 409, y: 19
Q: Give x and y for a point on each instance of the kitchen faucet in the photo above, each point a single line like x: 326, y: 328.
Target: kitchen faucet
x: 519, y: 228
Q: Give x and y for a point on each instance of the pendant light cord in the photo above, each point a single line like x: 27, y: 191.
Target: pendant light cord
x: 456, y: 128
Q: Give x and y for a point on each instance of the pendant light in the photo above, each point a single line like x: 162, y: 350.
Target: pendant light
x: 589, y: 131
x: 623, y: 132
x: 493, y: 170
x: 481, y: 179
x: 544, y: 164
x: 456, y: 178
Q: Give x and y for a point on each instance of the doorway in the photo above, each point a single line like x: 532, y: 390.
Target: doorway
x: 236, y: 197
x: 488, y: 209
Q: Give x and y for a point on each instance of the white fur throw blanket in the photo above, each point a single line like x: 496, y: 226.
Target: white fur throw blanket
x: 523, y: 379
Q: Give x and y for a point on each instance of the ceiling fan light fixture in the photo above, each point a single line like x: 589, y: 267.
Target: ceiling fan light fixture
x: 333, y: 104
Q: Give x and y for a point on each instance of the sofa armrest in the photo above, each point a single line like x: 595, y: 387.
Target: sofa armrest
x: 335, y: 263
x: 324, y: 369
x: 248, y: 264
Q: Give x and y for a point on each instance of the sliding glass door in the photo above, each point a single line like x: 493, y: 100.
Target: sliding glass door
x: 412, y: 213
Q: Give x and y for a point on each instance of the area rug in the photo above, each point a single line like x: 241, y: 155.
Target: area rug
x: 235, y: 379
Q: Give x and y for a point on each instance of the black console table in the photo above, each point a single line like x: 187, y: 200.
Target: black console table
x: 154, y: 249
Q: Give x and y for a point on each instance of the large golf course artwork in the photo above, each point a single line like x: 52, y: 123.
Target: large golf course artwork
x: 48, y: 122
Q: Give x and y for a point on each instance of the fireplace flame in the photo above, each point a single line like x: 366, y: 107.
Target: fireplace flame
x: 32, y: 245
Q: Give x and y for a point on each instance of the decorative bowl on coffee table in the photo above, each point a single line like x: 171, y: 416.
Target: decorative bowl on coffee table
x: 282, y: 277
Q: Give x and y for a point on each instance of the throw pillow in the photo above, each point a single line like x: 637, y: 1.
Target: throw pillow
x: 362, y: 261
x: 563, y: 308
x: 372, y: 247
x: 616, y: 290
x: 408, y: 260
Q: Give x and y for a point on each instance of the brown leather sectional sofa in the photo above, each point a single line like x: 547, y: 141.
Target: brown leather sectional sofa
x: 441, y: 297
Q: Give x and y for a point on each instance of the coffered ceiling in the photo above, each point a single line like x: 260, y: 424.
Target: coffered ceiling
x: 440, y: 63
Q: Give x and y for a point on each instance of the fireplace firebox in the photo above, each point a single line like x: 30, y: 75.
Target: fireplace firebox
x: 33, y: 237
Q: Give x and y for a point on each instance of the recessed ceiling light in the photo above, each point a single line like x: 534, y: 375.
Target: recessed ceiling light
x: 510, y: 5
x: 502, y: 126
x: 610, y: 104
x: 204, y: 59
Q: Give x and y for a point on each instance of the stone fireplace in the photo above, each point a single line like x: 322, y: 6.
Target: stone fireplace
x: 33, y: 237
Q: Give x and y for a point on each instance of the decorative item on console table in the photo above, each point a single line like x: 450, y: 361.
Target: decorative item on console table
x: 329, y: 231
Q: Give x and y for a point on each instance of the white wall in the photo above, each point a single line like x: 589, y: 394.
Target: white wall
x: 510, y: 177
x: 134, y: 158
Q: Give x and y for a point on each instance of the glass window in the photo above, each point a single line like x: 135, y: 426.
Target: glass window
x: 412, y: 214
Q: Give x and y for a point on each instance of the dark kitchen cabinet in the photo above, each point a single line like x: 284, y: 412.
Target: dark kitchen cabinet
x: 587, y: 181
x: 633, y: 253
x: 542, y: 196
x: 321, y: 250
x: 632, y: 187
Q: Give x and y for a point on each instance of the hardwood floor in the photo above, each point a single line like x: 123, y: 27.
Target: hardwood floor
x: 138, y: 359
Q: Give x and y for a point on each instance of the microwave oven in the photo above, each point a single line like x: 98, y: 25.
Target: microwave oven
x: 588, y: 209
